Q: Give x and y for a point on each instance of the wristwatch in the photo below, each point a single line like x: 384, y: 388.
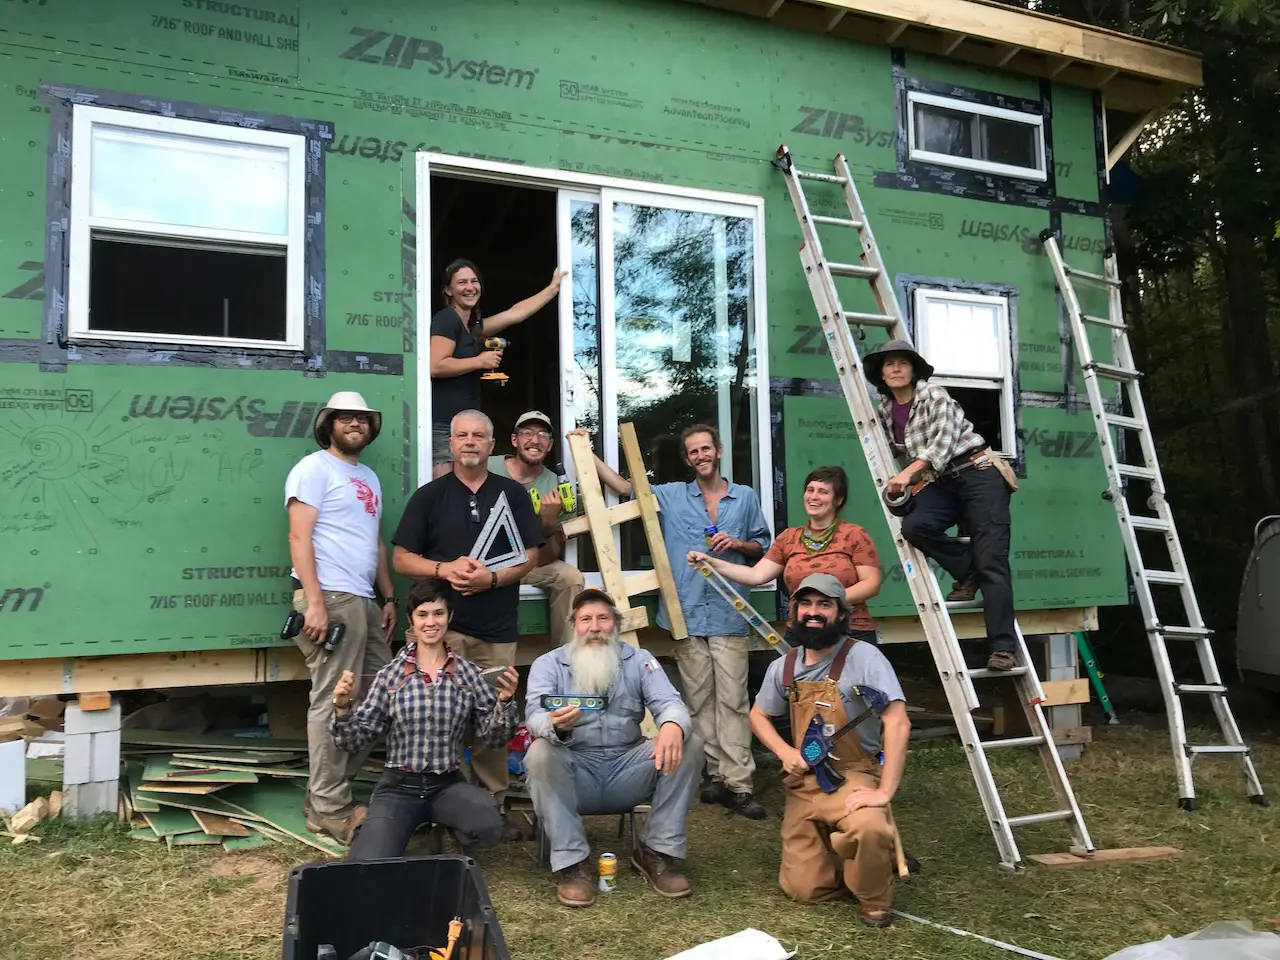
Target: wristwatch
x: 386, y: 600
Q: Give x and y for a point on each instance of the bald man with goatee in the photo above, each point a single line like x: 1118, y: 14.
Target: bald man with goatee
x: 591, y: 761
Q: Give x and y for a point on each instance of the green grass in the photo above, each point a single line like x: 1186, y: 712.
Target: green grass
x: 89, y: 892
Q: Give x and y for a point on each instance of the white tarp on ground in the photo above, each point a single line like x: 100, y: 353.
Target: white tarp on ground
x: 746, y: 944
x: 1225, y: 940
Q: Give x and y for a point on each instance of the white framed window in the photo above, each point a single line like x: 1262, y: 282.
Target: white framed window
x: 967, y: 338
x: 973, y: 136
x: 185, y: 232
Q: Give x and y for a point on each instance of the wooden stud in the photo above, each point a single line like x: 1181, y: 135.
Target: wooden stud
x: 621, y: 513
x: 954, y: 44
x: 1008, y: 56
x: 94, y: 701
x: 1118, y: 855
x: 652, y: 529
x: 1127, y: 139
x: 591, y: 496
x: 1058, y: 693
x: 1071, y: 736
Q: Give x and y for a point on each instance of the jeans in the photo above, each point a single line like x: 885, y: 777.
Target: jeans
x: 981, y: 499
x: 565, y: 784
x: 402, y: 802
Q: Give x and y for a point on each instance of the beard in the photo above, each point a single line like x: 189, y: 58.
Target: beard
x: 350, y: 445
x: 594, y: 665
x: 817, y: 638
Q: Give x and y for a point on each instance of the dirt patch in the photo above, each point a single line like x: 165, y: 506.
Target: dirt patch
x: 266, y: 872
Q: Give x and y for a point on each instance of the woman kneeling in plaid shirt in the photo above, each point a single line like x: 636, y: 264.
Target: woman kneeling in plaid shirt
x: 425, y: 700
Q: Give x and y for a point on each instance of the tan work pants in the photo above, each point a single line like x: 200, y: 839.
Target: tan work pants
x: 489, y: 764
x: 364, y: 651
x: 562, y: 582
x: 713, y: 673
x: 823, y: 848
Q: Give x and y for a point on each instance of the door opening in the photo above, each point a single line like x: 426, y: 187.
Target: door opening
x: 509, y: 233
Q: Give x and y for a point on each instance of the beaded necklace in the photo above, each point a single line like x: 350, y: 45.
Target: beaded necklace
x: 816, y: 543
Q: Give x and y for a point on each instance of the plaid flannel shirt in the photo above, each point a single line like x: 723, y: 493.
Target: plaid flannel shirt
x: 425, y: 720
x: 937, y: 431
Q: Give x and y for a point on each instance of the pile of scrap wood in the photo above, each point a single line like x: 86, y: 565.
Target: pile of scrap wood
x: 19, y: 826
x: 209, y: 789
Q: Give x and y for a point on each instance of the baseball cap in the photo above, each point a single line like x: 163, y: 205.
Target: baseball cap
x: 537, y: 415
x: 592, y: 595
x: 825, y: 584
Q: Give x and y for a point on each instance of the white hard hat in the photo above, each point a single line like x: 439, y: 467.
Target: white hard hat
x: 345, y: 400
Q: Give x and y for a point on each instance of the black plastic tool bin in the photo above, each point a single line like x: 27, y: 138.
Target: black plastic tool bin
x: 406, y: 901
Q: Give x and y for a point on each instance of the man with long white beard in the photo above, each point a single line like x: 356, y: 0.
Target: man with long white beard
x: 836, y: 832
x: 595, y: 761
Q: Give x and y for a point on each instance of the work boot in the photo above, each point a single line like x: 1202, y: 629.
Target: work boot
x: 714, y: 791
x: 660, y: 873
x: 574, y: 886
x: 341, y: 829
x: 1001, y: 660
x: 874, y: 918
x: 964, y: 590
x: 510, y: 831
x: 747, y: 805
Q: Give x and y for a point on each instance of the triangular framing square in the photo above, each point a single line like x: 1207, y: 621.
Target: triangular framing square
x: 501, y: 520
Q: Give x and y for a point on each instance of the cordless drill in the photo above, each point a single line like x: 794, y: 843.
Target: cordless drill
x: 496, y: 343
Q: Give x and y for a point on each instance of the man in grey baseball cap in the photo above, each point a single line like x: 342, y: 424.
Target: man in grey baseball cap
x: 533, y: 439
x: 837, y: 833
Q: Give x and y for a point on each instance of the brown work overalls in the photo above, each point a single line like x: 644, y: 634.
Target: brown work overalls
x: 821, y: 844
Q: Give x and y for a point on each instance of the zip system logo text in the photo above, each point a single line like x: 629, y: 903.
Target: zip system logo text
x: 294, y: 418
x: 396, y: 50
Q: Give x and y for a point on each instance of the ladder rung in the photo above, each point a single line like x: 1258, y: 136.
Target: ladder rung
x: 1150, y: 523
x: 1049, y: 817
x: 1219, y: 748
x: 985, y: 674
x: 870, y: 319
x: 1135, y: 471
x: 974, y: 604
x: 1200, y: 687
x: 1095, y: 277
x: 1012, y: 742
x: 837, y: 221
x: 1127, y: 423
x: 821, y: 177
x: 853, y: 270
x: 1112, y: 372
x: 1167, y: 577
x: 1104, y: 322
x: 1184, y: 633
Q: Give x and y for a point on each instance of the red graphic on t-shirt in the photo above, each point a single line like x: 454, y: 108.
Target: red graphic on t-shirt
x: 365, y: 494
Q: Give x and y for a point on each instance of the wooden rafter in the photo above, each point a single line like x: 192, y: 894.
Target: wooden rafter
x: 1139, y: 75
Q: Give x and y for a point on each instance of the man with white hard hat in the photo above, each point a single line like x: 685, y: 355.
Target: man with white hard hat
x: 339, y: 565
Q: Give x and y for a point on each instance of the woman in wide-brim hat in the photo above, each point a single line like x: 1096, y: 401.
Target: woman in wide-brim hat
x: 963, y: 480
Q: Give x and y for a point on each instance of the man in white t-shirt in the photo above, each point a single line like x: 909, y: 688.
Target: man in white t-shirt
x: 335, y: 541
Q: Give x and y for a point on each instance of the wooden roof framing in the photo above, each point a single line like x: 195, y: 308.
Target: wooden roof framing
x: 1138, y: 78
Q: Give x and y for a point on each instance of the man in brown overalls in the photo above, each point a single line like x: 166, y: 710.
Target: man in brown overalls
x: 842, y: 839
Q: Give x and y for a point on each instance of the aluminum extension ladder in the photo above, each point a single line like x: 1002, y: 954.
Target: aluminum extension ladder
x: 935, y: 617
x: 1124, y: 372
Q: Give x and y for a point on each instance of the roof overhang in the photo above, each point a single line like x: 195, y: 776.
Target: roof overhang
x: 1138, y: 78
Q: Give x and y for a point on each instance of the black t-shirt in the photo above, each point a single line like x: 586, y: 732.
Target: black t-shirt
x: 439, y: 524
x: 451, y: 395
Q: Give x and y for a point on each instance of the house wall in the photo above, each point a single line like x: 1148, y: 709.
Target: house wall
x: 141, y: 489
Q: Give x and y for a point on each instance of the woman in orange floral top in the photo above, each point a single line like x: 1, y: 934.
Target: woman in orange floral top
x: 824, y: 544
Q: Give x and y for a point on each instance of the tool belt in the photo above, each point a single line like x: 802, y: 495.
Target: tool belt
x: 984, y: 459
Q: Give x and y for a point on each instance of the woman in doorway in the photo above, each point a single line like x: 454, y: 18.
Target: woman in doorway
x: 825, y: 544
x: 458, y: 357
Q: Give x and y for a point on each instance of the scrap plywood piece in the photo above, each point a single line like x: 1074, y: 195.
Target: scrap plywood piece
x: 1118, y: 855
x: 203, y: 804
x: 162, y: 768
x: 171, y: 822
x: 193, y: 840
x: 241, y: 757
x: 251, y: 841
x: 217, y: 826
x: 143, y: 833
x: 205, y: 741
x: 189, y: 789
x: 279, y: 804
x: 263, y: 771
x: 133, y: 776
x: 94, y: 701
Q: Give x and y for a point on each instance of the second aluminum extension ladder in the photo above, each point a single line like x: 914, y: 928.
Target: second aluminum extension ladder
x: 1159, y: 522
x: 957, y: 679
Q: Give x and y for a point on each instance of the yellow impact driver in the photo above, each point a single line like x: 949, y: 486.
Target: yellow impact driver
x: 496, y: 343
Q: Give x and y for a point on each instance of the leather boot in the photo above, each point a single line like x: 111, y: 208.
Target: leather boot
x: 660, y: 873
x: 964, y: 590
x: 574, y: 885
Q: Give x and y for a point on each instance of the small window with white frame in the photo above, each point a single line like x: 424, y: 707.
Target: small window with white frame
x: 974, y: 136
x: 185, y: 232
x: 967, y: 338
